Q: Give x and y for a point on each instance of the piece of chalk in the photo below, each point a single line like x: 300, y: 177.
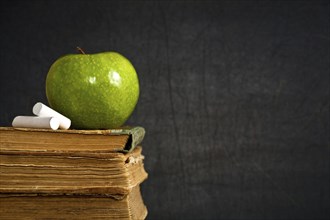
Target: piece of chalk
x: 36, y: 122
x: 44, y: 111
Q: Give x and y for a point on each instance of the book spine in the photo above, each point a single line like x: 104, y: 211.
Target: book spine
x: 136, y: 135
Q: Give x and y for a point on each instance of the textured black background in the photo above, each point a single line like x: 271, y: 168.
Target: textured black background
x: 234, y: 96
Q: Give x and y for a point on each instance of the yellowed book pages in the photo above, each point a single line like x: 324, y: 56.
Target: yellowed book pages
x: 46, y: 140
x: 57, y: 173
x: 13, y: 207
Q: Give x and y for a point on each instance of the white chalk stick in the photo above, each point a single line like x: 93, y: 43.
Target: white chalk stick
x: 36, y: 122
x: 44, y: 111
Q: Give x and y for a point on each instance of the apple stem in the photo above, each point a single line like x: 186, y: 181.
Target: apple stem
x: 81, y: 50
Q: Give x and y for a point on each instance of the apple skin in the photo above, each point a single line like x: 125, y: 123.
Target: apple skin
x: 96, y: 91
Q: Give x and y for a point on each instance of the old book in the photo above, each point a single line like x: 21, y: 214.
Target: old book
x: 71, y: 173
x: 45, y: 167
x: 113, y: 140
x: 35, y: 206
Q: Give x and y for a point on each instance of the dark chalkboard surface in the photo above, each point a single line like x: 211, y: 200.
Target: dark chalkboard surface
x: 234, y: 95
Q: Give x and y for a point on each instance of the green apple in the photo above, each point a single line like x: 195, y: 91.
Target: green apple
x: 96, y: 91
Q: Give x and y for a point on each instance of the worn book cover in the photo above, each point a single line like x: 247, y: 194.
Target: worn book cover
x: 123, y: 139
x: 35, y: 206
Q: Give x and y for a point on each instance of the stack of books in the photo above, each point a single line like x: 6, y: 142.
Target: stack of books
x: 71, y: 174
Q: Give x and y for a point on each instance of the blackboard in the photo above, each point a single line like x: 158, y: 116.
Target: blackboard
x: 234, y: 95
